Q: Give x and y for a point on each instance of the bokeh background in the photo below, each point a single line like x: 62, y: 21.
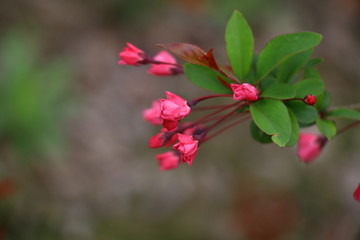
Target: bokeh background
x: 74, y: 159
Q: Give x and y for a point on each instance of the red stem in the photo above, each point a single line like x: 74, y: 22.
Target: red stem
x: 222, y: 119
x: 225, y: 128
x: 193, y: 102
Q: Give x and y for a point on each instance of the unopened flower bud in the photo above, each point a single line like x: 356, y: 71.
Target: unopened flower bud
x: 152, y: 114
x: 244, y: 91
x: 310, y: 146
x: 131, y: 55
x: 163, y: 69
x: 310, y: 100
x: 168, y: 160
x: 357, y: 193
x: 187, y: 146
x: 173, y: 109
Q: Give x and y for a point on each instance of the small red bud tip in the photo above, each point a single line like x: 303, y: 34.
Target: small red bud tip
x: 357, y: 193
x: 310, y: 100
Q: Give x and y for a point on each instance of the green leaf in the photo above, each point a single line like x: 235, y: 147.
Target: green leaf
x: 272, y: 117
x: 344, y: 113
x: 279, y: 91
x: 313, y: 62
x: 239, y: 44
x: 326, y: 127
x: 259, y: 135
x: 205, y: 78
x: 304, y: 113
x: 312, y: 73
x: 291, y: 65
x: 309, y: 86
x: 323, y: 101
x: 267, y: 82
x: 281, y: 47
x: 295, y: 129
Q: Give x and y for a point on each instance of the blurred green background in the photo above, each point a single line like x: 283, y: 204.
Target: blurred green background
x: 74, y: 159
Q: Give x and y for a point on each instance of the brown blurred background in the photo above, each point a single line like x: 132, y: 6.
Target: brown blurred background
x: 73, y: 145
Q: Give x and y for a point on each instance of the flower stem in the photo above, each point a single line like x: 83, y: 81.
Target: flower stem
x: 195, y: 101
x: 223, y: 118
x: 351, y: 125
x: 226, y: 128
x: 148, y: 60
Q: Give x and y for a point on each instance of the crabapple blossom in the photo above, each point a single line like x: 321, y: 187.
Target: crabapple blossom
x: 131, y: 55
x: 163, y: 69
x: 310, y: 146
x: 162, y: 139
x: 152, y: 114
x: 168, y: 160
x: 173, y: 109
x: 244, y: 91
x: 187, y: 146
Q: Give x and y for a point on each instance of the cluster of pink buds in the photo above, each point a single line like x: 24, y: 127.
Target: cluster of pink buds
x: 184, y: 138
x: 281, y: 92
x: 162, y: 64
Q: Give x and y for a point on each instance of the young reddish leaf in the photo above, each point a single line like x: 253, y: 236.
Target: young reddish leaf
x: 210, y: 60
x: 188, y: 52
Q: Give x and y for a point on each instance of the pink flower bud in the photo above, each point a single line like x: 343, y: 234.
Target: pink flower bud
x: 163, y: 69
x: 173, y: 109
x: 357, y: 193
x: 162, y: 139
x: 152, y: 114
x: 168, y: 160
x: 187, y: 147
x: 131, y: 55
x: 310, y: 100
x: 244, y: 91
x: 310, y: 146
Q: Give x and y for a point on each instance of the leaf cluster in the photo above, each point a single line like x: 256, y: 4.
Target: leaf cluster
x: 285, y: 73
